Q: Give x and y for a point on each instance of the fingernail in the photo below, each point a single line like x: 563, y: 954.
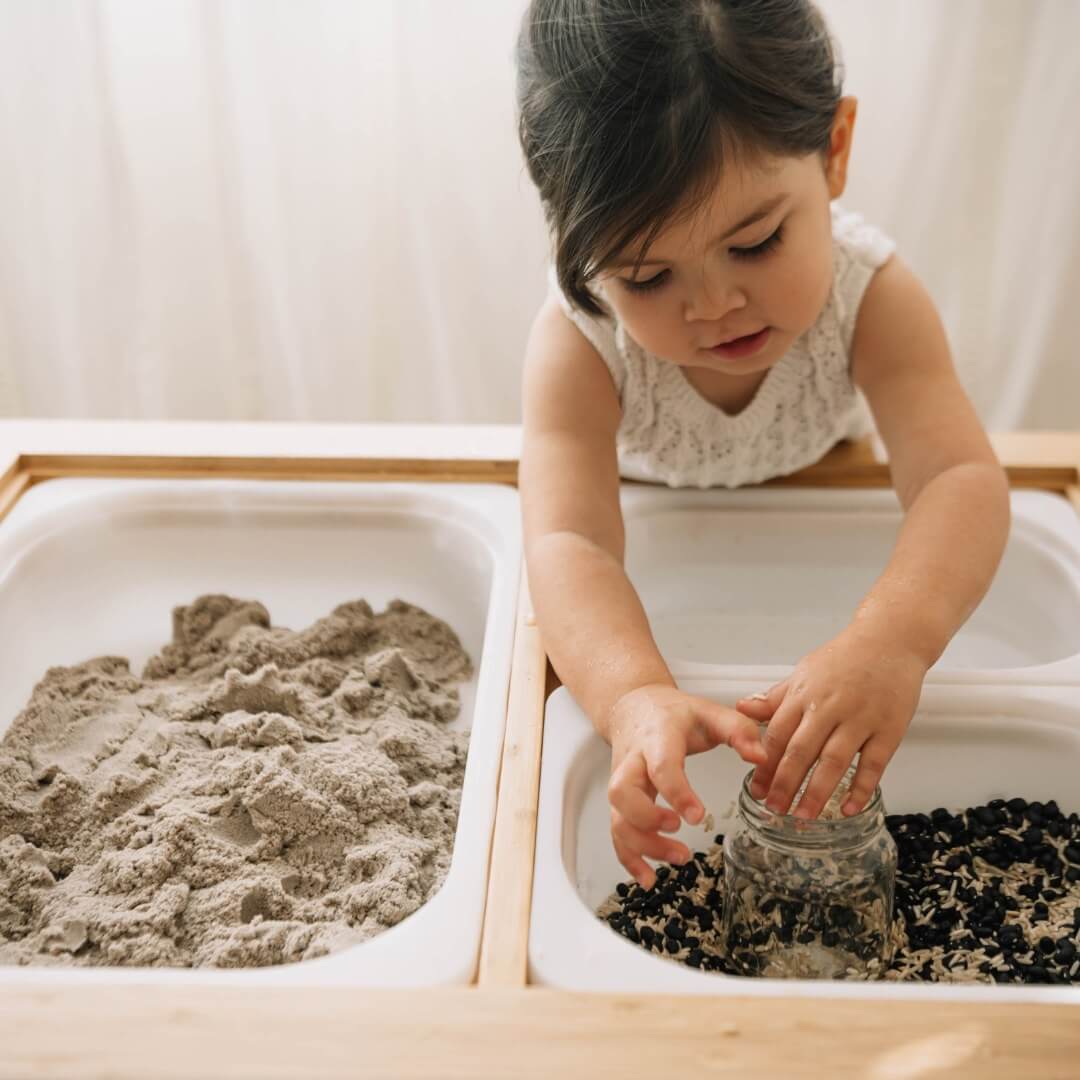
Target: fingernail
x: 774, y: 805
x: 849, y: 808
x: 802, y: 813
x: 694, y: 814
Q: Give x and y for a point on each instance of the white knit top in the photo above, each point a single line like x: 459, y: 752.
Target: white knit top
x: 806, y: 403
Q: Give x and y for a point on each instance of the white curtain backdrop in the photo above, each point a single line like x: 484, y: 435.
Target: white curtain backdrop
x: 316, y: 209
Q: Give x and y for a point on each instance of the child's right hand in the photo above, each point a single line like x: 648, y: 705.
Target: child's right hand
x: 651, y: 730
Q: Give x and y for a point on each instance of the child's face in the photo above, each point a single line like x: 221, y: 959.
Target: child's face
x: 703, y: 284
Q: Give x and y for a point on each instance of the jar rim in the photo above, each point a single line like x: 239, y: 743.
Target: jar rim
x: 812, y: 832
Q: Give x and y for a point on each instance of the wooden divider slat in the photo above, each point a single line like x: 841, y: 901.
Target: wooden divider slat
x: 12, y: 484
x: 505, y: 942
x: 846, y: 466
x: 46, y: 466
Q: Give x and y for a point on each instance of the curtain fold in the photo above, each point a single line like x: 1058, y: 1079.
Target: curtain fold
x: 317, y: 210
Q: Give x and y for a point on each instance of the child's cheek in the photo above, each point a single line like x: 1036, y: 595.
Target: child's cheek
x: 804, y: 285
x: 654, y: 322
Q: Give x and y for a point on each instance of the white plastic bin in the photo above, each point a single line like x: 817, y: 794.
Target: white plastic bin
x: 93, y: 567
x: 744, y: 583
x: 965, y: 747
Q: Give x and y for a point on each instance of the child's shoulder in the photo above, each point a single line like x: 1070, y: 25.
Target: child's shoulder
x: 855, y: 240
x: 860, y: 250
x: 601, y: 332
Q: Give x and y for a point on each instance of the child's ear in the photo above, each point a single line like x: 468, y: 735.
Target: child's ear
x: 843, y: 129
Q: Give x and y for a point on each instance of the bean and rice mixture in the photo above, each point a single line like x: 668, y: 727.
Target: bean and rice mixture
x: 988, y: 894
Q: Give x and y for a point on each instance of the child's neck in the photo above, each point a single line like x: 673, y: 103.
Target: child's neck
x: 731, y: 393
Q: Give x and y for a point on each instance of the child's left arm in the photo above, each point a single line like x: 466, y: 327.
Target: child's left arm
x: 858, y: 692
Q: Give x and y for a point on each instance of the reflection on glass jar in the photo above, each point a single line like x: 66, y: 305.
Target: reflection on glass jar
x: 809, y: 899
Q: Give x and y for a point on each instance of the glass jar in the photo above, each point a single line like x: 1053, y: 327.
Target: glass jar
x: 809, y: 899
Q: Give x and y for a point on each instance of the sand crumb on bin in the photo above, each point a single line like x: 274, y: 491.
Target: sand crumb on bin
x: 258, y: 796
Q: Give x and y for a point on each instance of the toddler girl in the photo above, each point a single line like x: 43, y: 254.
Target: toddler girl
x: 715, y: 318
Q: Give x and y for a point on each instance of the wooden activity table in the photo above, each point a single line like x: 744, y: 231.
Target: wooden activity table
x: 499, y: 1026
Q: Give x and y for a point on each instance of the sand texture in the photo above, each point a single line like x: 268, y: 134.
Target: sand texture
x: 257, y: 796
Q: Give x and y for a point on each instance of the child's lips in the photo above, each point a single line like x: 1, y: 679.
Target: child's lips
x: 740, y: 347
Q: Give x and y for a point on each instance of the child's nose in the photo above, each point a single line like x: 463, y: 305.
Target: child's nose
x: 713, y: 299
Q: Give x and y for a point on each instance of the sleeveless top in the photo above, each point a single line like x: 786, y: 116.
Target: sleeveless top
x: 806, y: 403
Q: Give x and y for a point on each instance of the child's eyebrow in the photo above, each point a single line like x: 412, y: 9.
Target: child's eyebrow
x: 763, y: 211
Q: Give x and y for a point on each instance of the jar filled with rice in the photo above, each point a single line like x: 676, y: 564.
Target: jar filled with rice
x: 809, y: 899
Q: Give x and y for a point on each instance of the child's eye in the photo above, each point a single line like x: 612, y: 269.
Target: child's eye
x: 758, y: 250
x: 647, y: 285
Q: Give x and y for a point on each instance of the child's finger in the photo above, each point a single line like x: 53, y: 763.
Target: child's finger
x: 638, y: 808
x: 761, y: 707
x: 635, y: 865
x: 653, y: 845
x: 775, y: 740
x: 874, y: 756
x: 833, y: 761
x: 803, y: 750
x: 730, y: 728
x: 669, y: 778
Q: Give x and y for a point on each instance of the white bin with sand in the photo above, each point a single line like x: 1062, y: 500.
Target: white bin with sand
x: 93, y: 568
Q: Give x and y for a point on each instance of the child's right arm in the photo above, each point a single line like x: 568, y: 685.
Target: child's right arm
x: 591, y: 619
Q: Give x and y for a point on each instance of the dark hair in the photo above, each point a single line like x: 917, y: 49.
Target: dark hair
x: 628, y: 108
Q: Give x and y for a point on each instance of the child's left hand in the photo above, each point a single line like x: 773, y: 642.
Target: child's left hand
x: 855, y: 694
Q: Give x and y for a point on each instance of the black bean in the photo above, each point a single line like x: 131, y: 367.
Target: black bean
x: 671, y: 945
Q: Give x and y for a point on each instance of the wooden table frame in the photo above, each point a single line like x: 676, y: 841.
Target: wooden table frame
x: 500, y: 1026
